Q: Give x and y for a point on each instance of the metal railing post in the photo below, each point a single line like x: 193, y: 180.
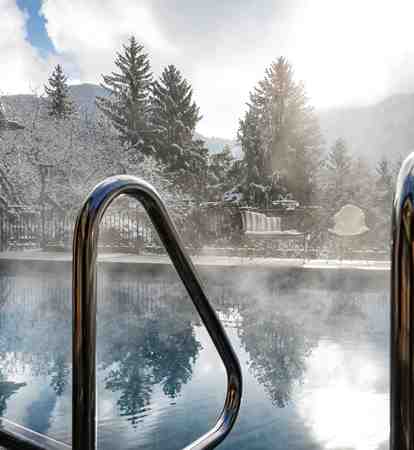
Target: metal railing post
x: 84, y: 309
x: 402, y: 312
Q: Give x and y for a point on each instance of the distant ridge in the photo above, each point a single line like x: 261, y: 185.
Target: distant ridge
x: 385, y: 128
x: 84, y: 96
x: 216, y: 144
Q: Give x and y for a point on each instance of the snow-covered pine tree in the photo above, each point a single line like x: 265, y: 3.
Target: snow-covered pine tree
x: 188, y: 170
x: 2, y: 114
x: 339, y: 160
x: 128, y: 103
x: 385, y: 175
x: 287, y: 129
x: 219, y: 173
x: 338, y: 188
x: 381, y: 207
x: 255, y: 175
x: 60, y: 105
x: 195, y: 176
x: 174, y: 116
x: 362, y: 176
x: 252, y: 147
x: 385, y: 185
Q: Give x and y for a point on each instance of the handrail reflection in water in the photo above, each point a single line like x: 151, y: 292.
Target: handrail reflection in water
x: 84, y: 309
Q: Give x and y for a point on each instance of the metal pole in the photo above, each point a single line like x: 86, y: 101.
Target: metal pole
x: 84, y: 309
x: 2, y: 246
x: 402, y: 311
x: 42, y: 200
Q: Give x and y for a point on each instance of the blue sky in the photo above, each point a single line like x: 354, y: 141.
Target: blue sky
x: 35, y: 26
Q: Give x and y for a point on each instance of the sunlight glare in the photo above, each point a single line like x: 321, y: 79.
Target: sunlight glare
x: 349, y: 52
x: 341, y: 405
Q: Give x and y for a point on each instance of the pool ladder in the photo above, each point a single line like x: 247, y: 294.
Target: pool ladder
x: 85, y: 243
x: 402, y: 311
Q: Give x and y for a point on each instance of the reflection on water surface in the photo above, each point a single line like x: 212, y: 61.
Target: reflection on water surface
x: 315, y: 361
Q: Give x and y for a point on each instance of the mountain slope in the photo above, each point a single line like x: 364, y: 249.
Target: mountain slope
x: 84, y: 96
x: 216, y: 144
x: 383, y: 129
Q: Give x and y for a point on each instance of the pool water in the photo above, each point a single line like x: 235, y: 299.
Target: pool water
x: 314, y: 358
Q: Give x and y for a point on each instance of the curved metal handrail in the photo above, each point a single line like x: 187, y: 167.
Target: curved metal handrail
x: 402, y: 311
x: 84, y: 309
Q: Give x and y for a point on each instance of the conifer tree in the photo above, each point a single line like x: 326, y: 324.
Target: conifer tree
x: 281, y: 129
x: 339, y: 187
x: 174, y: 118
x: 127, y: 105
x: 254, y: 175
x: 385, y: 185
x: 360, y: 177
x: 224, y: 174
x: 381, y: 202
x: 339, y: 161
x: 60, y: 105
x: 252, y: 147
x: 2, y: 114
x: 195, y: 173
x: 174, y: 115
x: 220, y: 165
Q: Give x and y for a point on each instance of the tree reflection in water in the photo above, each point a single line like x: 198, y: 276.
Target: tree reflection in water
x: 277, y: 348
x: 155, y: 346
x: 147, y: 344
x: 7, y: 389
x: 34, y: 336
x: 345, y: 305
x: 280, y: 337
x: 59, y: 372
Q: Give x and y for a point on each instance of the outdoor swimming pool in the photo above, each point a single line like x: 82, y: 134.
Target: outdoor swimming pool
x: 314, y: 358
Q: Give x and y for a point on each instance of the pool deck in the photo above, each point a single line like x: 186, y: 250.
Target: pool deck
x: 38, y: 256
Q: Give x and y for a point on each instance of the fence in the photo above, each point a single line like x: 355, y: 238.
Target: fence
x: 128, y: 230
x: 216, y: 228
x: 19, y: 231
x: 121, y: 230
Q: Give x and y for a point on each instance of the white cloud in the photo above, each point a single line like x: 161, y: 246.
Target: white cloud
x: 231, y: 87
x: 90, y: 33
x: 353, y: 52
x: 349, y: 52
x: 22, y: 70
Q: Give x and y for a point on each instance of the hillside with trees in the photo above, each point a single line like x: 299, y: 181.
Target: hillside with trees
x: 137, y: 123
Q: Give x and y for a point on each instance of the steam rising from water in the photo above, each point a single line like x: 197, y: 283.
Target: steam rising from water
x: 314, y: 358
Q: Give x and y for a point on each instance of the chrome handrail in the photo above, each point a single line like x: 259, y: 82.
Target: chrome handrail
x: 402, y: 312
x: 14, y: 436
x: 84, y: 309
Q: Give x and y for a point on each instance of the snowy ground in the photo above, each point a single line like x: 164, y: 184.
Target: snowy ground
x: 216, y: 261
